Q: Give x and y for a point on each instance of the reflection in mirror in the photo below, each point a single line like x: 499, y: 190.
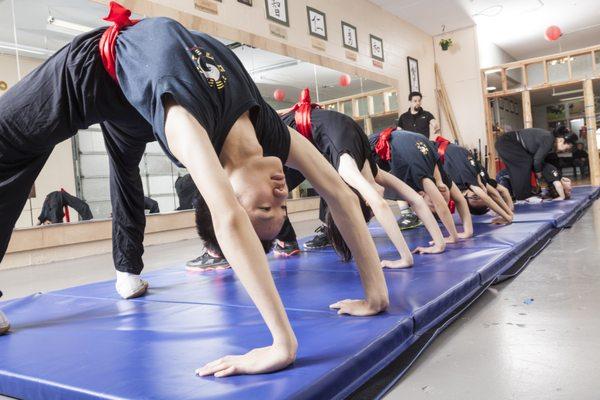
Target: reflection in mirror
x: 80, y: 166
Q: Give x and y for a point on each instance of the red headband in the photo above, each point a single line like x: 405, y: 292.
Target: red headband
x: 119, y: 16
x: 302, y: 116
x: 382, y: 147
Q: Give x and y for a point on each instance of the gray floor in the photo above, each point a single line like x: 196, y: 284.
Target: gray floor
x: 503, y: 346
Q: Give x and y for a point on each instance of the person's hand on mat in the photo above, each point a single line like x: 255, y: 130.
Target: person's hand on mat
x: 447, y: 239
x: 500, y: 221
x: 428, y: 250
x: 257, y: 361
x: 402, y: 263
x: 357, y: 308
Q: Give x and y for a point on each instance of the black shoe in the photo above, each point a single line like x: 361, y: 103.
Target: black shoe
x: 320, y: 240
x: 408, y: 220
x: 206, y: 262
x: 286, y: 249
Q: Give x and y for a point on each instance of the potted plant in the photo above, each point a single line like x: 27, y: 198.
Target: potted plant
x: 445, y: 43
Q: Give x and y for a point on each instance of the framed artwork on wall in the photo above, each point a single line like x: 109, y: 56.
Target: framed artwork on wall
x: 376, y: 48
x: 277, y: 11
x: 349, y: 36
x: 246, y: 2
x: 317, y: 25
x: 414, y: 82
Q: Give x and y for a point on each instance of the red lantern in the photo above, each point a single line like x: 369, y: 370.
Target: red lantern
x: 553, y: 33
x: 345, y: 80
x: 279, y: 94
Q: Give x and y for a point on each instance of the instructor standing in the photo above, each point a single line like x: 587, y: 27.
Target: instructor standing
x: 416, y: 119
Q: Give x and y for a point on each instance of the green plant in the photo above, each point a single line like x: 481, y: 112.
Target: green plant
x: 445, y: 43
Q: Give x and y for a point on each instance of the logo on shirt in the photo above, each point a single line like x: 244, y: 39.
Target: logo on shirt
x: 207, y: 66
x: 555, y: 173
x: 422, y: 147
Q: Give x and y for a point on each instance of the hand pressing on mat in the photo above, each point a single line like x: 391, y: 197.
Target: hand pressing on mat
x: 464, y: 235
x: 257, y: 361
x: 358, y: 308
x: 499, y: 221
x: 397, y: 264
x: 447, y: 239
x: 435, y: 249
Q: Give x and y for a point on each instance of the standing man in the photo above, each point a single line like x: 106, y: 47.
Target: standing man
x: 416, y: 119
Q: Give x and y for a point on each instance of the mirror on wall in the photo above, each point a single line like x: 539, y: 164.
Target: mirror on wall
x: 80, y: 166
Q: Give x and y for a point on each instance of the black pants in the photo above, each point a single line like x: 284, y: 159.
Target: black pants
x: 519, y: 164
x: 71, y: 91
x: 293, y: 179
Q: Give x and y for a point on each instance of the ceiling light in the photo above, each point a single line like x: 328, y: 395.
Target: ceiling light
x: 490, y: 88
x: 572, y: 98
x: 25, y: 49
x: 493, y: 71
x: 566, y: 92
x: 66, y: 27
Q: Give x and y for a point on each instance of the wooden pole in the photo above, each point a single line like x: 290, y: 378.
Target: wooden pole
x: 491, y: 140
x: 590, y: 122
x: 527, y: 117
x: 447, y: 106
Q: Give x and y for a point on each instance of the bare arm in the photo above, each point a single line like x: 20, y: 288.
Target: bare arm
x: 463, y: 210
x: 420, y: 208
x: 350, y: 173
x: 491, y: 203
x: 344, y: 207
x: 506, y: 196
x: 493, y: 193
x: 559, y: 188
x: 441, y: 208
x: 189, y: 142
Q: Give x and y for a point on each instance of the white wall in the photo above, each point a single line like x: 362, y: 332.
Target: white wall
x: 58, y: 171
x: 490, y: 54
x: 460, y: 70
x: 400, y: 39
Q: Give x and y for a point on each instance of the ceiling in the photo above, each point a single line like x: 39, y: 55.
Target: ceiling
x: 517, y: 26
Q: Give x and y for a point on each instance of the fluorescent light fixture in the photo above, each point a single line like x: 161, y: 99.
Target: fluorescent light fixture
x: 12, y: 48
x: 566, y: 92
x: 492, y: 71
x: 572, y: 98
x: 272, y: 67
x: 66, y: 27
x: 490, y: 88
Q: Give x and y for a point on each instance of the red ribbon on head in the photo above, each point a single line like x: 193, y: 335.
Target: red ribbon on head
x: 443, y: 144
x: 119, y: 16
x: 382, y: 147
x: 302, y: 111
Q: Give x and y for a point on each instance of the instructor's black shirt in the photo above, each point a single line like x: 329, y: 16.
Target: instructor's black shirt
x: 418, y: 122
x: 159, y: 57
x: 335, y: 134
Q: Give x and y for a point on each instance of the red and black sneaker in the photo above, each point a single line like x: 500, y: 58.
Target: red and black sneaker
x: 286, y: 249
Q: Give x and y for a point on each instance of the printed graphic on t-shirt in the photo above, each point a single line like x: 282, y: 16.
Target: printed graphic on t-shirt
x: 555, y: 173
x: 207, y: 66
x: 422, y: 147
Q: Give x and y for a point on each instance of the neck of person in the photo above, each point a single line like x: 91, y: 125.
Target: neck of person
x: 413, y: 111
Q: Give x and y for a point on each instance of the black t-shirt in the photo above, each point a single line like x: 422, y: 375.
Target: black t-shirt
x: 418, y: 122
x: 414, y: 158
x: 335, y: 134
x: 158, y: 56
x: 459, y: 165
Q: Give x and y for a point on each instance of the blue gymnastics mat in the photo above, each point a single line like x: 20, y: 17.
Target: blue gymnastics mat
x: 86, y: 343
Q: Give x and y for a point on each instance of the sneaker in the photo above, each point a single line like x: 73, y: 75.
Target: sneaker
x: 206, y: 262
x: 286, y: 249
x: 408, y: 220
x: 130, y: 286
x: 320, y: 240
x: 4, y: 324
